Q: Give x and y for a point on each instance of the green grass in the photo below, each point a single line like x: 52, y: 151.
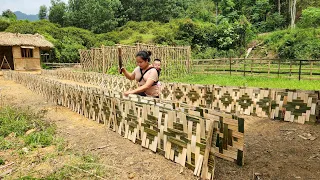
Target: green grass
x: 138, y: 37
x: 16, y: 122
x: 260, y: 82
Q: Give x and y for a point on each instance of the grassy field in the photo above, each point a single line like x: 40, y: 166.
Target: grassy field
x: 31, y: 143
x: 261, y: 82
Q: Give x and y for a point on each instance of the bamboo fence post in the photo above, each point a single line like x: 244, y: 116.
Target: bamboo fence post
x: 279, y: 68
x: 230, y: 65
x: 103, y: 59
x: 244, y: 67
x: 290, y: 68
x: 251, y: 65
x: 311, y: 66
x: 269, y: 62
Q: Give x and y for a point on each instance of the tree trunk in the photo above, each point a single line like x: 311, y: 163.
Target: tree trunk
x: 293, y: 10
x: 217, y: 11
x: 279, y: 6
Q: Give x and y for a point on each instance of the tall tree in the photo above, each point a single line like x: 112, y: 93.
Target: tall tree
x: 293, y: 11
x: 9, y: 14
x: 43, y: 12
x: 98, y: 16
x: 217, y: 9
x: 57, y: 12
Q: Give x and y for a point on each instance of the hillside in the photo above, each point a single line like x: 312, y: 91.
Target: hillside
x: 23, y: 16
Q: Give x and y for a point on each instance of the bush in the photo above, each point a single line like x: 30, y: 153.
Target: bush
x: 310, y: 18
x: 4, y: 24
x: 291, y: 44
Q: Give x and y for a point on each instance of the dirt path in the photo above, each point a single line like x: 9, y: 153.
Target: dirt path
x: 272, y: 149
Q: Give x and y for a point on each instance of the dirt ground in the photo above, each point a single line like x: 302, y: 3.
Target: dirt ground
x: 273, y: 150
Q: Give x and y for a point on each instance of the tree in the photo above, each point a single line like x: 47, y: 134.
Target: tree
x: 217, y: 9
x: 9, y: 14
x: 293, y: 10
x: 98, y: 16
x: 43, y: 12
x: 57, y: 12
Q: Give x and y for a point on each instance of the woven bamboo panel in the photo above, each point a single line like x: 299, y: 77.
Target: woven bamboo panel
x: 178, y: 132
x: 295, y: 106
x: 259, y: 102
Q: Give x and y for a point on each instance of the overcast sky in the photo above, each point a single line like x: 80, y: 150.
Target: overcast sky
x: 25, y: 6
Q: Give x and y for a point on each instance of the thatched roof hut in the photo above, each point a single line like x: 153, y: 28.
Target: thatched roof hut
x: 22, y: 51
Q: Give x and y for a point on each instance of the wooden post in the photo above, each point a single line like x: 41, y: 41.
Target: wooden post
x: 120, y: 58
x: 104, y: 60
x: 230, y: 66
x: 290, y: 68
x: 244, y: 67
x: 269, y: 62
x: 300, y: 70
x: 279, y: 68
x: 311, y: 66
x: 92, y: 60
x: 188, y: 59
x: 204, y: 174
x: 251, y: 65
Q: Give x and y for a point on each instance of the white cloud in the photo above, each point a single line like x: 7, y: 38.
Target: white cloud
x: 25, y: 6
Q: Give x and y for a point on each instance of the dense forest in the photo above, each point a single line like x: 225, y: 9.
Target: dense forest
x: 213, y: 28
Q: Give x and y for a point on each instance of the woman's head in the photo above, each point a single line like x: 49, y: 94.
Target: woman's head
x: 143, y: 59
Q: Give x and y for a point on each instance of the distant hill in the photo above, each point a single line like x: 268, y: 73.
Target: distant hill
x: 23, y: 16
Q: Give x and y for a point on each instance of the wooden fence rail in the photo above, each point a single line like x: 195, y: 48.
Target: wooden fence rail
x: 292, y: 69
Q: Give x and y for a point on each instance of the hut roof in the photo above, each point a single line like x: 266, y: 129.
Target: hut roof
x: 16, y: 39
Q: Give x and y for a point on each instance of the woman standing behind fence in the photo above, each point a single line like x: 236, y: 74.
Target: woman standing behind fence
x: 145, y: 74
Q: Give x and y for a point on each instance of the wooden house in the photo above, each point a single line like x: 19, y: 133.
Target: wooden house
x: 22, y: 51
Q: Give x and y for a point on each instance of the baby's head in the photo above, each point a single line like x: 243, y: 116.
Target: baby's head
x: 157, y: 64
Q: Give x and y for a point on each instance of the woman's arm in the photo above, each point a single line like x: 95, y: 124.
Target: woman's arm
x: 142, y: 88
x: 128, y: 75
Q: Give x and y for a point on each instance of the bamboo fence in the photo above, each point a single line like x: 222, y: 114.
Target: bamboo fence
x: 175, y: 61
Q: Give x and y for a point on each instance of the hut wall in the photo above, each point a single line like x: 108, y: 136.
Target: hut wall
x: 26, y: 63
x: 6, y: 51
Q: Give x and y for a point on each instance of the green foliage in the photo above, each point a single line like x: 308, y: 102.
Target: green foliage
x: 310, y: 18
x: 5, y: 144
x: 98, y: 16
x: 294, y: 44
x: 40, y: 139
x: 2, y: 162
x: 43, y: 12
x: 16, y: 122
x: 4, y: 23
x: 67, y: 41
x: 9, y: 14
x: 57, y: 12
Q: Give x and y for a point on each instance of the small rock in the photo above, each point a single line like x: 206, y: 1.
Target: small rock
x: 25, y: 150
x: 150, y: 153
x: 312, y: 138
x: 298, y: 177
x: 289, y: 132
x: 303, y: 137
x: 30, y: 131
x: 131, y: 163
x: 131, y: 175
